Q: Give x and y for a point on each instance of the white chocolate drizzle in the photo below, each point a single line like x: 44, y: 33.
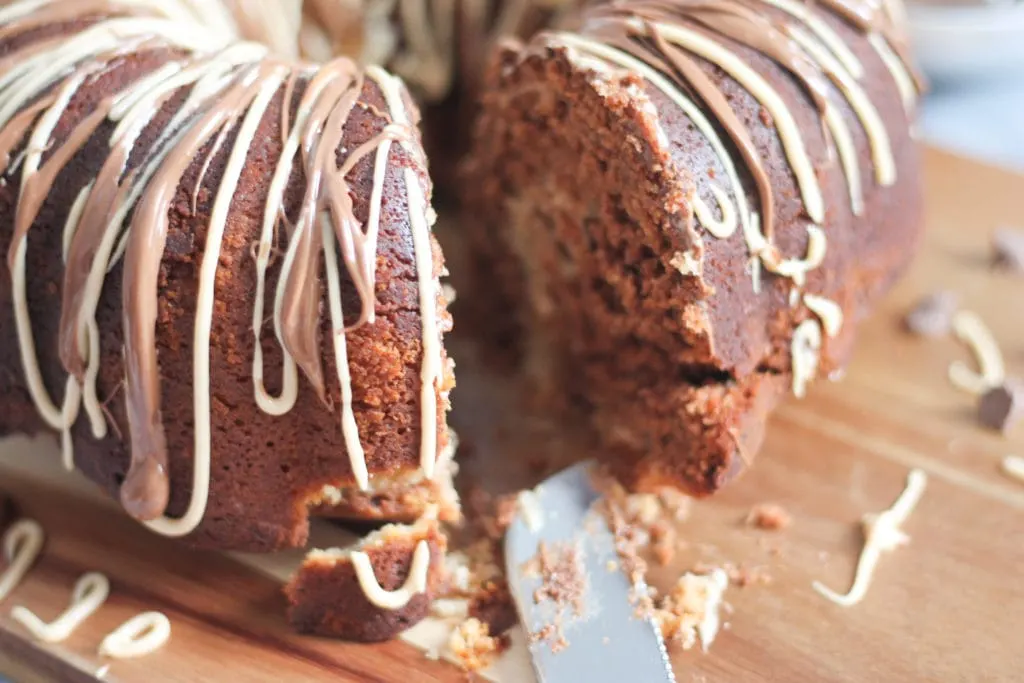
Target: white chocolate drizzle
x: 972, y: 331
x: 882, y: 534
x: 141, y: 635
x: 415, y: 583
x: 829, y: 313
x: 22, y: 543
x: 719, y: 228
x: 806, y: 353
x: 89, y: 594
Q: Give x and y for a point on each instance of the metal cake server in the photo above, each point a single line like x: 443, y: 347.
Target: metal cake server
x: 608, y: 643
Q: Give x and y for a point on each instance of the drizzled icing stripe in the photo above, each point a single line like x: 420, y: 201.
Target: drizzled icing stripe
x: 415, y: 583
x: 898, y: 68
x: 430, y: 373
x: 825, y: 34
x: 262, y: 96
x: 829, y: 313
x: 881, y: 149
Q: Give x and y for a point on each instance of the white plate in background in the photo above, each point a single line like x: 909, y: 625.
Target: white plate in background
x: 978, y: 42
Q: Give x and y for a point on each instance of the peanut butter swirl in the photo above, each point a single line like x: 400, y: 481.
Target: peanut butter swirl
x: 225, y: 86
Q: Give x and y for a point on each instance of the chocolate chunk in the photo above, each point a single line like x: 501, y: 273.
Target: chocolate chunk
x: 1008, y: 245
x: 8, y: 511
x: 1001, y: 407
x: 932, y: 316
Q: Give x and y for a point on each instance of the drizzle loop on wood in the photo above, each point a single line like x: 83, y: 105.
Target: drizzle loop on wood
x: 90, y: 593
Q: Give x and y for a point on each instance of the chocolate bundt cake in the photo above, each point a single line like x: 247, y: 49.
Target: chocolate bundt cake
x: 220, y: 283
x: 684, y: 209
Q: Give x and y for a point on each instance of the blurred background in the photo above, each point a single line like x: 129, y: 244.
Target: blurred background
x: 973, y: 54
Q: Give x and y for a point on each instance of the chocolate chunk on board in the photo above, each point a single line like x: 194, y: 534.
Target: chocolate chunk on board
x: 1000, y: 407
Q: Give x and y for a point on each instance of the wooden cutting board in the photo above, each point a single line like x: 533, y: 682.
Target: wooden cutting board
x: 949, y: 607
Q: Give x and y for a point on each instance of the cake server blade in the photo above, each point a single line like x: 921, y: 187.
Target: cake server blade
x: 608, y: 642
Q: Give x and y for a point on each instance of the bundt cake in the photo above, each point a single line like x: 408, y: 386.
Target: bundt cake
x: 222, y: 290
x: 220, y: 282
x: 682, y: 211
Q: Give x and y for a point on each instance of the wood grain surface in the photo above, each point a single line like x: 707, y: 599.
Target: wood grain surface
x: 948, y: 607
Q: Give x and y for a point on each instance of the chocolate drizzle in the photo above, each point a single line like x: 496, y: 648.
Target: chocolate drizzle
x: 228, y: 87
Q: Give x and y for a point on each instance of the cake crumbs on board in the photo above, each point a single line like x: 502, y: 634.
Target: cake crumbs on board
x: 882, y: 533
x: 769, y: 517
x: 473, y: 646
x: 691, y: 611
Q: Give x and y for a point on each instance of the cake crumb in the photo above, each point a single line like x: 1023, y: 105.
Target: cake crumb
x: 676, y: 503
x: 505, y: 511
x: 691, y: 610
x: 450, y: 608
x: 551, y: 634
x: 740, y: 576
x: 529, y: 508
x: 769, y: 517
x: 664, y: 539
x: 473, y: 646
x: 685, y: 263
x: 642, y: 508
x: 493, y: 605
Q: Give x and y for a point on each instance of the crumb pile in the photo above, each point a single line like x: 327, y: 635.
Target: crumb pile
x: 563, y: 585
x: 769, y: 517
x: 473, y: 646
x: 691, y: 611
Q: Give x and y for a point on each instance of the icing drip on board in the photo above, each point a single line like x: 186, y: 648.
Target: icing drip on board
x: 122, y: 214
x: 90, y: 593
x: 22, y: 543
x: 141, y: 635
